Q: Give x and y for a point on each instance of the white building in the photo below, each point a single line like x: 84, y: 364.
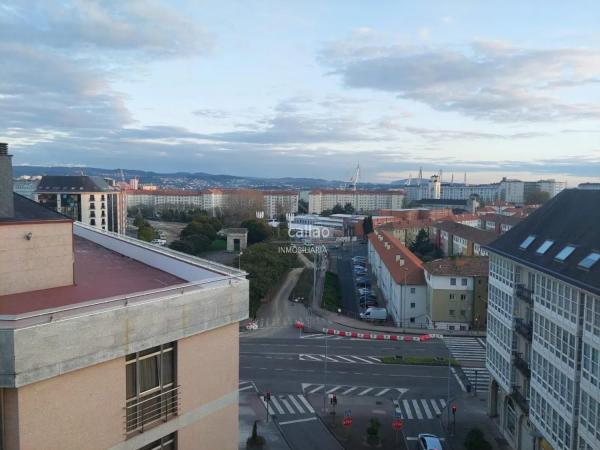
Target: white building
x: 320, y: 200
x: 277, y: 203
x: 543, y: 332
x: 400, y: 278
x: 26, y: 186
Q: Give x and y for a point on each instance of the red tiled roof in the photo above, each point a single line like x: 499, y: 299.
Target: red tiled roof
x: 500, y: 218
x: 475, y: 266
x: 99, y: 273
x: 413, y: 266
x: 477, y: 235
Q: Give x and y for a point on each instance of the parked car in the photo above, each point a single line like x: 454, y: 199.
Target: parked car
x: 374, y: 314
x: 365, y: 291
x: 429, y: 442
x: 158, y: 242
x: 368, y: 304
x: 363, y: 283
x: 359, y: 258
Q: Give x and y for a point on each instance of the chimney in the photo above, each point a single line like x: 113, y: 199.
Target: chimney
x: 7, y: 203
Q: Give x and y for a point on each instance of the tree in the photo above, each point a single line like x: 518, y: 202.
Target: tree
x: 475, y: 440
x: 348, y: 208
x: 424, y: 248
x: 258, y: 230
x: 202, y: 227
x: 536, y: 197
x: 368, y: 225
x: 337, y: 209
x: 146, y: 232
x: 182, y: 246
x: 199, y: 242
x: 373, y: 431
x: 302, y: 206
x: 139, y: 219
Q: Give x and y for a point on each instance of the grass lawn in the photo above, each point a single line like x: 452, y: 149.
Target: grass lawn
x: 332, y: 297
x: 419, y: 360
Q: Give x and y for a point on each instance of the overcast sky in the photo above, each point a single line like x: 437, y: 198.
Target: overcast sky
x: 305, y: 88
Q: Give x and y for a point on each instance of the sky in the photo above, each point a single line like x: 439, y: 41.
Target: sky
x: 305, y: 88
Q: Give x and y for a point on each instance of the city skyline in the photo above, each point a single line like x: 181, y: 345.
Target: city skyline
x: 306, y: 90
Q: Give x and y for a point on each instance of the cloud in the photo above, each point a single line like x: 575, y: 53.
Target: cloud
x: 486, y: 80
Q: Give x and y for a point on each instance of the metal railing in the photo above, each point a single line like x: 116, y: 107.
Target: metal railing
x: 525, y: 329
x: 151, y: 409
x: 524, y: 293
x: 522, y: 365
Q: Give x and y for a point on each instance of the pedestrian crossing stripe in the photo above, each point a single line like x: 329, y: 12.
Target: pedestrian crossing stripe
x: 359, y: 391
x: 349, y: 359
x: 478, y: 377
x: 321, y: 336
x: 419, y: 408
x: 288, y: 404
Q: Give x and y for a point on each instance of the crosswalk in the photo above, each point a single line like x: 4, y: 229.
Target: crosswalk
x: 322, y: 336
x: 470, y: 352
x: 357, y: 391
x: 283, y: 322
x: 348, y: 359
x: 478, y: 377
x: 288, y: 404
x: 247, y: 386
x: 420, y: 408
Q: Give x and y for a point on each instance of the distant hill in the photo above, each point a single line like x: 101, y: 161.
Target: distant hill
x: 196, y: 180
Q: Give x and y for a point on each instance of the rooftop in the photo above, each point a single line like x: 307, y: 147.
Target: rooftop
x: 477, y: 266
x: 569, y: 219
x: 27, y: 210
x: 357, y: 191
x: 412, y: 267
x: 440, y: 201
x: 73, y: 183
x: 481, y: 237
x: 501, y: 218
x: 99, y: 273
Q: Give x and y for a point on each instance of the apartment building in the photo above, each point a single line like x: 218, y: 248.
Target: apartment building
x: 457, y: 291
x: 26, y: 186
x: 498, y: 223
x: 278, y: 203
x: 320, y: 200
x: 107, y: 342
x: 458, y: 191
x: 458, y: 239
x: 399, y: 275
x: 543, y: 333
x: 86, y: 199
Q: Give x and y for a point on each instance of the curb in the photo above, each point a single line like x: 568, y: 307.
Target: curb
x: 381, y: 337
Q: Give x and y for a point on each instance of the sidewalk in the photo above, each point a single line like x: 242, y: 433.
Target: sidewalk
x: 252, y: 409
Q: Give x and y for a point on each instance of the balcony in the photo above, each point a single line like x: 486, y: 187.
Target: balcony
x: 524, y: 293
x: 522, y: 365
x: 151, y: 409
x: 519, y: 399
x: 525, y: 329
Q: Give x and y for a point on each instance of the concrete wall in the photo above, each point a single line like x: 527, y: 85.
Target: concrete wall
x: 63, y: 344
x: 45, y: 261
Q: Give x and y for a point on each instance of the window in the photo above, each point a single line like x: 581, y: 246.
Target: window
x: 544, y: 247
x: 93, y: 222
x: 412, y: 320
x: 527, y: 242
x: 589, y: 260
x: 463, y: 296
x: 451, y: 296
x: 464, y: 281
x: 92, y: 198
x: 412, y: 305
x: 451, y: 312
x: 413, y: 290
x: 151, y: 390
x: 564, y: 253
x: 166, y: 443
x: 452, y: 281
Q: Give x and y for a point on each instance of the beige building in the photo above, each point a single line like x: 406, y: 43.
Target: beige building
x: 457, y: 293
x: 107, y: 342
x: 362, y: 200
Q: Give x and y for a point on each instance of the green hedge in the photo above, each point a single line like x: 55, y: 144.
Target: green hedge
x: 419, y: 360
x: 332, y: 296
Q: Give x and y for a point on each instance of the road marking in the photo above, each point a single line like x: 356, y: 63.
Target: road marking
x: 373, y: 358
x: 435, y: 407
x: 318, y: 388
x: 365, y: 391
x: 379, y: 394
x: 246, y: 388
x: 333, y: 389
x: 277, y: 405
x: 308, y: 419
x: 309, y: 356
x: 426, y: 408
x: 286, y: 404
x: 364, y: 360
x: 417, y: 409
x: 303, y: 400
x: 407, y: 409
x: 350, y: 390
x: 345, y: 359
x: 443, y: 402
x: 462, y: 386
x: 295, y: 402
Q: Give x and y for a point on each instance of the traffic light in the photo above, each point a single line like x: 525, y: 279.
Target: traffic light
x: 334, y: 400
x: 268, y: 396
x: 453, y: 409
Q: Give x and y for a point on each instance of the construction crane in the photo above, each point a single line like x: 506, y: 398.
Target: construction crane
x: 354, y: 178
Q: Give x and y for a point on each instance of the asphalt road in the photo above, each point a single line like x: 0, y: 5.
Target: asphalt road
x: 344, y: 266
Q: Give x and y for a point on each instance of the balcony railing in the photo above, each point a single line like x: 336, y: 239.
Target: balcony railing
x: 151, y: 409
x: 520, y: 399
x: 525, y: 329
x: 522, y: 365
x: 524, y: 293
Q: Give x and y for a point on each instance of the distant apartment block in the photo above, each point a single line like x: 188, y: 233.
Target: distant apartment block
x: 400, y: 278
x: 457, y: 239
x: 543, y: 331
x: 498, y: 223
x: 86, y: 199
x: 589, y: 186
x: 457, y: 290
x: 26, y: 186
x: 279, y: 203
x: 107, y: 342
x: 320, y: 200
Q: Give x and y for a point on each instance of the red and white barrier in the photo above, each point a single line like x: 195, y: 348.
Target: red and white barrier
x: 381, y: 337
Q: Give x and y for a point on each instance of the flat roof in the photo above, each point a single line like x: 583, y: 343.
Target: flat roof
x: 99, y: 273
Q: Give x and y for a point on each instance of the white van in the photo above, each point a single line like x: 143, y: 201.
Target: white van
x: 159, y: 242
x: 374, y: 314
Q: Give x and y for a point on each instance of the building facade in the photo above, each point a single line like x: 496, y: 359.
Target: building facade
x: 320, y: 200
x: 399, y: 275
x: 86, y: 199
x: 543, y: 333
x: 458, y: 239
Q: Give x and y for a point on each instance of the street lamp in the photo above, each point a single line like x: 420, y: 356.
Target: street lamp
x: 240, y: 260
